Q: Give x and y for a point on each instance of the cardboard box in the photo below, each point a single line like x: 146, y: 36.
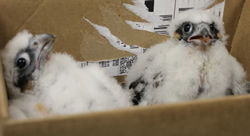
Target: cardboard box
x: 228, y: 116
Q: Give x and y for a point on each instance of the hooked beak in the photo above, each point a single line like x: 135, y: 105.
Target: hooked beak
x: 203, y: 36
x: 38, y: 50
x: 44, y: 43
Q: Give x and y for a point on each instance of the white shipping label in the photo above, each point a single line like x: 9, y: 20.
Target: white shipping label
x: 114, y: 67
x: 159, y: 13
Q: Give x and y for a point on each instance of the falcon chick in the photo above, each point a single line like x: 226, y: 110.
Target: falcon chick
x: 58, y: 84
x: 20, y: 58
x: 193, y: 64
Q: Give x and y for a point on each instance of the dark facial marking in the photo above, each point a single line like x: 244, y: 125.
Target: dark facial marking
x: 214, y: 31
x: 188, y: 28
x: 25, y: 69
x: 185, y: 30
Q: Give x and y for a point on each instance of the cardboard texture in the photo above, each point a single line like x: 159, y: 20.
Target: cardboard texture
x: 231, y: 18
x: 3, y: 98
x: 3, y: 101
x: 228, y: 116
x: 241, y: 41
x: 196, y: 118
x: 63, y: 18
x: 74, y: 34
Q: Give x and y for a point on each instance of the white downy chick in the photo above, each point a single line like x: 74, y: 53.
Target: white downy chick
x: 193, y: 64
x: 67, y: 88
x: 59, y: 85
x: 20, y: 58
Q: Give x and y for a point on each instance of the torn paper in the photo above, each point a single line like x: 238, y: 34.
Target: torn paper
x: 116, y: 42
x: 159, y: 13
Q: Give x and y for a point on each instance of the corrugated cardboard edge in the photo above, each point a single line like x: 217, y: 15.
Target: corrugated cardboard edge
x: 226, y: 113
x: 3, y: 97
x: 232, y: 12
x: 228, y: 116
x: 241, y: 40
x: 3, y: 101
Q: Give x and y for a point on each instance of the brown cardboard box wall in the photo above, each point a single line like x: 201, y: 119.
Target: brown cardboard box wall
x: 224, y: 116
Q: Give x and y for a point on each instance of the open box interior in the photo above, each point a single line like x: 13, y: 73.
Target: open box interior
x: 221, y: 116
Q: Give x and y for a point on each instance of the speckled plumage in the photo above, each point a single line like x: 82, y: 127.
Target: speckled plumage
x: 186, y: 69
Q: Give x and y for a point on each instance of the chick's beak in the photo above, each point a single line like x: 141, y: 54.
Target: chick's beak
x: 44, y: 43
x: 202, y: 36
x: 45, y: 38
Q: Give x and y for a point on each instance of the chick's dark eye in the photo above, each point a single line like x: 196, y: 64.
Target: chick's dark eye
x: 212, y: 27
x: 21, y: 63
x: 35, y: 44
x: 187, y: 28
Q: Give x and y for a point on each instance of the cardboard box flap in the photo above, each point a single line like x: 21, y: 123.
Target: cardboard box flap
x: 78, y: 37
x: 232, y: 12
x: 207, y: 118
x: 241, y: 40
x: 223, y: 116
x: 215, y: 3
x: 74, y: 34
x: 13, y: 14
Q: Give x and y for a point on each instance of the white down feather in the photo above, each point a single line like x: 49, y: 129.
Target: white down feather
x: 184, y: 68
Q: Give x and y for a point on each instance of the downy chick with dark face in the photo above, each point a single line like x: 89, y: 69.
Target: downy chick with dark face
x: 193, y: 64
x: 21, y: 57
x: 58, y: 84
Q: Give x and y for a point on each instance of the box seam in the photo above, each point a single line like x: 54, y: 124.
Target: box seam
x: 236, y: 26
